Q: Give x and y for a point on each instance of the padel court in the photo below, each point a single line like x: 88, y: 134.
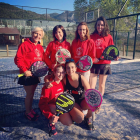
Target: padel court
x: 119, y: 117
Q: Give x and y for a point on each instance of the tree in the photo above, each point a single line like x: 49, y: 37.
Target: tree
x: 80, y: 7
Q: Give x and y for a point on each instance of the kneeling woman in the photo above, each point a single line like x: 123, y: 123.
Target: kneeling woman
x: 75, y: 84
x: 48, y: 99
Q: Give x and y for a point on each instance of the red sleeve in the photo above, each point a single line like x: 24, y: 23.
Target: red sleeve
x: 47, y: 55
x: 43, y: 102
x: 43, y: 56
x: 19, y: 58
x: 92, y: 50
x: 68, y: 46
x: 71, y: 49
x: 110, y: 42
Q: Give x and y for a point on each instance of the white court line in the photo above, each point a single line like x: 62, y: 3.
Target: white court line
x: 125, y: 61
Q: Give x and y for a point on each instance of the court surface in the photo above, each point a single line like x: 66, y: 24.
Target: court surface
x: 118, y: 119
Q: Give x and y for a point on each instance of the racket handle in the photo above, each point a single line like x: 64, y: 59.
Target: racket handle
x: 20, y: 75
x: 56, y: 115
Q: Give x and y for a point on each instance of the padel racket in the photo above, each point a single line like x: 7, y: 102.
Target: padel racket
x: 110, y: 53
x: 84, y: 63
x: 64, y: 103
x: 38, y: 69
x: 61, y: 55
x: 93, y: 99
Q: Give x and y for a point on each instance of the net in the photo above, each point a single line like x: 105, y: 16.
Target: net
x: 12, y: 95
x: 125, y: 76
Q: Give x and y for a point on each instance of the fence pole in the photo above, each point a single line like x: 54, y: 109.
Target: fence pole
x: 114, y: 29
x: 67, y: 16
x: 22, y: 12
x: 135, y: 37
x: 123, y: 50
x: 116, y: 38
x: 46, y: 13
x: 7, y: 50
x: 127, y: 44
x: 85, y: 17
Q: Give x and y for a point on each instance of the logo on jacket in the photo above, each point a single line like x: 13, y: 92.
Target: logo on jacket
x: 98, y: 42
x: 37, y: 52
x: 79, y: 51
x: 60, y: 47
x: 59, y: 89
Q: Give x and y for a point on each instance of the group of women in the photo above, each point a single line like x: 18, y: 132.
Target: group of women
x: 64, y: 77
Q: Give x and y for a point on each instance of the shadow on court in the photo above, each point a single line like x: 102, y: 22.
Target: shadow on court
x: 126, y: 105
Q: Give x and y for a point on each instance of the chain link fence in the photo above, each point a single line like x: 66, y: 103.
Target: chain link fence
x: 125, y: 31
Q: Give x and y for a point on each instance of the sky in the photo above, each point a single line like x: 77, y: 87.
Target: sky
x: 52, y: 4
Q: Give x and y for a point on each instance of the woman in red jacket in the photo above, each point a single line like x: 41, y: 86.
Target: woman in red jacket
x: 76, y: 85
x: 82, y: 45
x: 29, y: 52
x: 102, y: 39
x: 59, y: 35
x: 48, y: 100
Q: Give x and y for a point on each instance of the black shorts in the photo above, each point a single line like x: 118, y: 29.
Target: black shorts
x: 28, y: 81
x: 101, y: 69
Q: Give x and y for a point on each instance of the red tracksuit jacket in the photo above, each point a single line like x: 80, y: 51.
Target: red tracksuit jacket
x: 101, y: 43
x: 81, y: 48
x: 51, y: 50
x: 48, y: 96
x: 27, y: 54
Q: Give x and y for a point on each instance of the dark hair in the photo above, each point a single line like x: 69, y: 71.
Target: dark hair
x: 69, y: 60
x: 87, y: 31
x: 105, y: 31
x: 55, y: 30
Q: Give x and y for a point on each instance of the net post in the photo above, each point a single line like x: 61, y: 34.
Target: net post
x: 7, y: 49
x: 127, y: 44
x: 124, y: 50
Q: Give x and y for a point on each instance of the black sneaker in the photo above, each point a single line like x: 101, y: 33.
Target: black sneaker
x: 52, y: 129
x: 88, y: 123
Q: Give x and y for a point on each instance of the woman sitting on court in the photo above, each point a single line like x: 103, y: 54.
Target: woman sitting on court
x: 48, y: 99
x: 76, y: 84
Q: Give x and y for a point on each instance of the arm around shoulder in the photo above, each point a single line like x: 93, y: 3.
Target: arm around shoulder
x: 85, y: 83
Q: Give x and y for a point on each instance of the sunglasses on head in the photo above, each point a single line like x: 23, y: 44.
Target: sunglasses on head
x: 69, y: 60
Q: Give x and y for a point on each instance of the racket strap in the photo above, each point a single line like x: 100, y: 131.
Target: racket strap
x: 59, y: 112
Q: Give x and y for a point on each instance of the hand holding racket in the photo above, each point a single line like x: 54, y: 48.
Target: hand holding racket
x: 84, y: 63
x: 64, y: 103
x: 110, y: 53
x: 93, y: 99
x: 38, y: 69
x: 61, y: 55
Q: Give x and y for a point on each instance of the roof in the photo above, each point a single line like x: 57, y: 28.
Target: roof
x: 7, y: 30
